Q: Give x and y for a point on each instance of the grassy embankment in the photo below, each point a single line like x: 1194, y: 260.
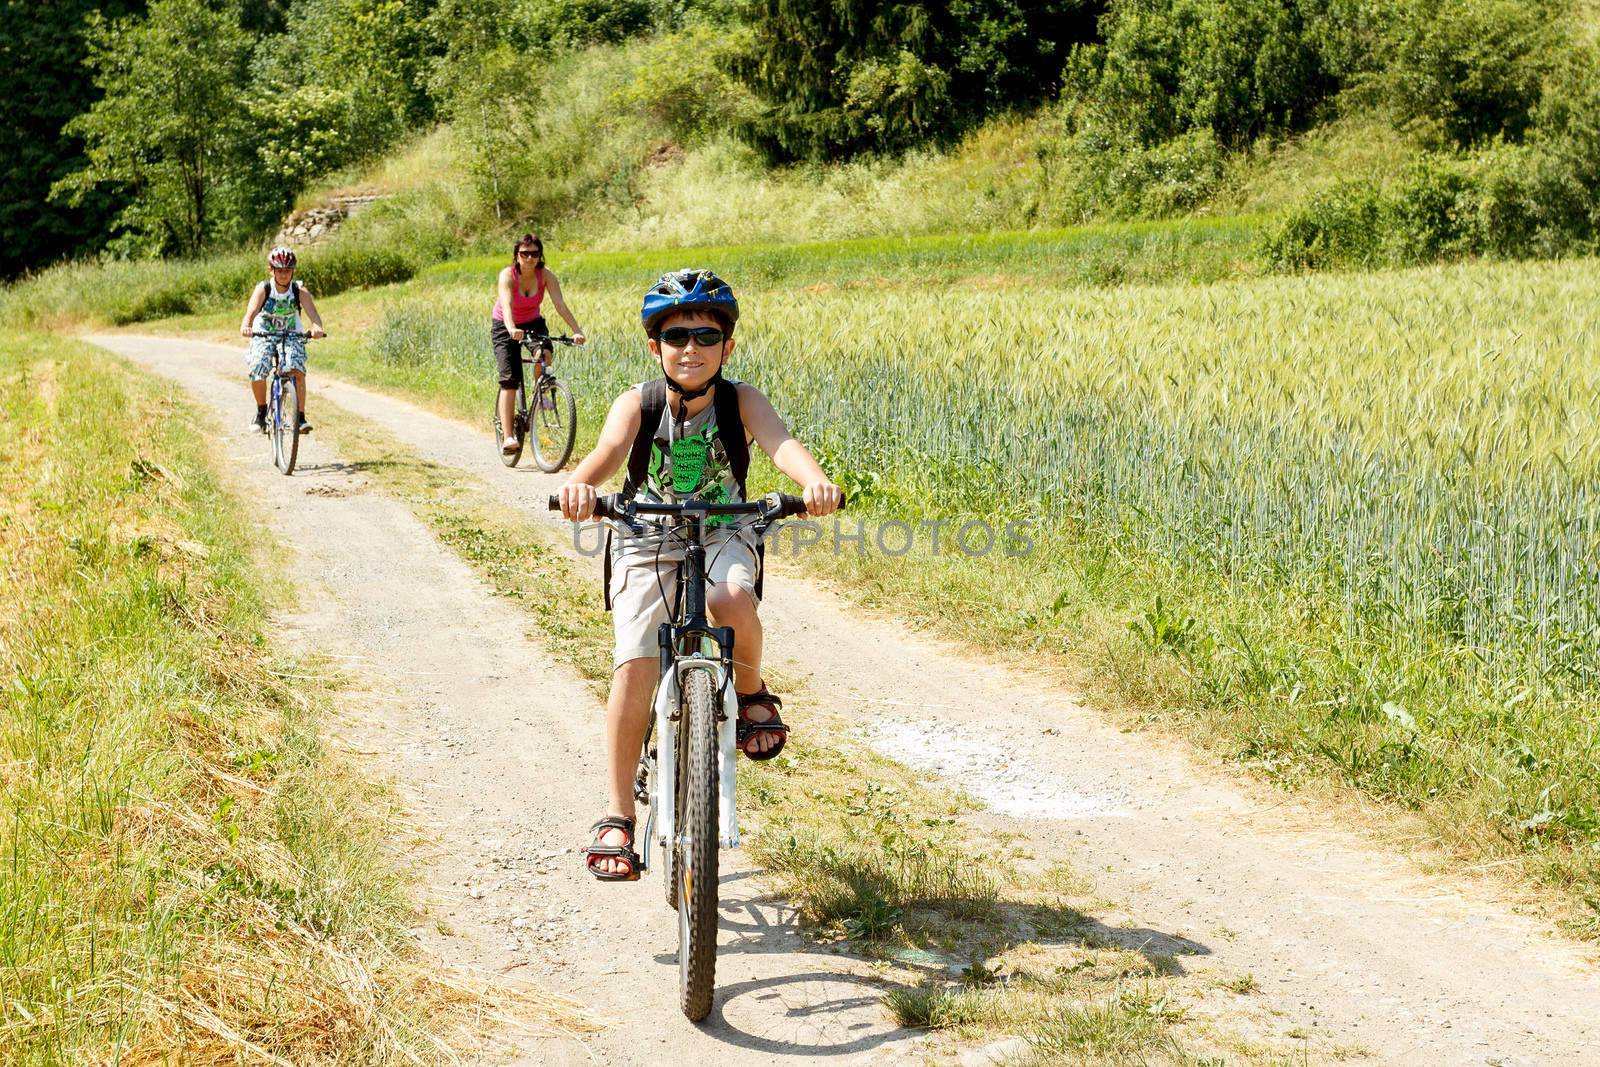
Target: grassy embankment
x: 185, y: 871
x: 974, y: 935
x: 1339, y: 528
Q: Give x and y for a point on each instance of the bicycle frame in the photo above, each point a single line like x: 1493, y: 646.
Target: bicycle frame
x: 691, y: 644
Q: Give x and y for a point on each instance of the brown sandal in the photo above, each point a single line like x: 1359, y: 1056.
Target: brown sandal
x: 623, y: 852
x: 747, y: 727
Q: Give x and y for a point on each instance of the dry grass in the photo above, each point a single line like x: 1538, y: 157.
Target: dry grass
x: 184, y: 869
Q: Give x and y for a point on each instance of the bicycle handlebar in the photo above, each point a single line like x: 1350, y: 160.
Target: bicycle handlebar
x: 618, y: 508
x: 530, y: 339
x: 299, y: 335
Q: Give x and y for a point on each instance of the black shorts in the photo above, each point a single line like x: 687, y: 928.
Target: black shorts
x: 508, y: 353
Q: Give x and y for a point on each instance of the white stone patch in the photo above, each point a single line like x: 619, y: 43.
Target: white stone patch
x: 1000, y: 777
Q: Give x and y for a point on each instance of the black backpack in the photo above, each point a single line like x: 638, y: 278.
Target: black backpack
x: 294, y: 291
x: 730, y: 431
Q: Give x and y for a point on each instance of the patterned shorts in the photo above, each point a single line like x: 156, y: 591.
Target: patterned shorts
x: 259, y: 358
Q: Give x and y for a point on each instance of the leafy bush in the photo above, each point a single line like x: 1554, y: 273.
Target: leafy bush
x: 584, y: 22
x: 1473, y: 67
x: 1237, y: 68
x: 1539, y: 198
x: 1340, y: 227
x: 1100, y: 177
x: 846, y: 77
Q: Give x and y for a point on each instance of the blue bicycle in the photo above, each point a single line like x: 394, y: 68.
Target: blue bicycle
x: 283, y: 402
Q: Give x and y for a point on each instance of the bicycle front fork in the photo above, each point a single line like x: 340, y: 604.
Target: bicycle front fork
x: 659, y: 765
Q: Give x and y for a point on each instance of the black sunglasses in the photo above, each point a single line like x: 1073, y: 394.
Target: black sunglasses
x: 678, y: 336
x: 529, y: 251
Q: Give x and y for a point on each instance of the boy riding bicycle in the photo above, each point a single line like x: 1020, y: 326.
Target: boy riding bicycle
x: 274, y: 308
x: 693, y: 444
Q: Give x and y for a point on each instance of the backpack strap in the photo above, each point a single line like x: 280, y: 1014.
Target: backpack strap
x: 652, y: 403
x: 730, y: 430
x: 294, y: 291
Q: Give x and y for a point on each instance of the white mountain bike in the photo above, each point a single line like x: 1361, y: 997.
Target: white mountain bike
x: 687, y: 769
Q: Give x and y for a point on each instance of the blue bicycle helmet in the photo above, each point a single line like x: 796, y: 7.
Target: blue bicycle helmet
x: 686, y: 290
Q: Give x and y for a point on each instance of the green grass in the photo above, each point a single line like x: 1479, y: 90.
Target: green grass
x: 1192, y: 250
x: 182, y: 864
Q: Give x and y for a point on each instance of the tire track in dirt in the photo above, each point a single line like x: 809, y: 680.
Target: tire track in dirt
x: 1346, y: 940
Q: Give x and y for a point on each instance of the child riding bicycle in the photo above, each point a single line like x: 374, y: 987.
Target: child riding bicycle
x: 684, y: 436
x: 274, y: 308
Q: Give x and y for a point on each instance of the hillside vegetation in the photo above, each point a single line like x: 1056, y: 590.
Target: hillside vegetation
x: 1384, y: 131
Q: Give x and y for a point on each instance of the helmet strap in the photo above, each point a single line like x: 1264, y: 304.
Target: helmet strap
x: 694, y: 394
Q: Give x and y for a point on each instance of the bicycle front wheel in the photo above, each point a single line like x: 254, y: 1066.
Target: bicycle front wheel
x: 553, y: 424
x: 694, y: 858
x: 286, y: 427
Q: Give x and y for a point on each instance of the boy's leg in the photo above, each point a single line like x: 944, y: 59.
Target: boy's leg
x: 258, y: 389
x: 300, y: 390
x: 627, y: 716
x: 733, y: 605
x: 637, y: 610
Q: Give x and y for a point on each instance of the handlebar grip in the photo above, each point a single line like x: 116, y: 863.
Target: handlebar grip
x: 605, y: 507
x: 790, y: 506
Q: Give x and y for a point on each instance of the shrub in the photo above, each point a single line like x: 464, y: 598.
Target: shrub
x: 1473, y: 67
x: 1339, y: 227
x: 1237, y: 68
x: 1100, y: 177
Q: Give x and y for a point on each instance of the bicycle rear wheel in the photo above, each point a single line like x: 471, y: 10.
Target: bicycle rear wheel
x: 694, y: 863
x: 553, y: 424
x: 511, y: 459
x: 286, y: 427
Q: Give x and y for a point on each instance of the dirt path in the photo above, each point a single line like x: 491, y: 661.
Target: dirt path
x: 1345, y: 941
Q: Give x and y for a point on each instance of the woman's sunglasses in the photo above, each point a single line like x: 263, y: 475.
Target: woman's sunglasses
x: 678, y: 336
x: 530, y: 252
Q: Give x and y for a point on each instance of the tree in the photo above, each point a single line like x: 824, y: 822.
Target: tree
x: 844, y: 76
x: 41, y: 79
x: 167, y: 120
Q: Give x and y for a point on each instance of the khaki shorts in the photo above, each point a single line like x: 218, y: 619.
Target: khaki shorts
x: 637, y: 607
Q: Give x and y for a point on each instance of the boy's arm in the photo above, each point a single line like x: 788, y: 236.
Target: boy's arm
x: 311, y: 313
x: 615, y: 443
x: 791, y: 457
x: 561, y: 306
x: 253, y: 305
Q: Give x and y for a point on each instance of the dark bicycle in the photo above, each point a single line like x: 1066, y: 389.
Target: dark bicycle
x: 549, y: 424
x: 690, y: 756
x: 283, y: 403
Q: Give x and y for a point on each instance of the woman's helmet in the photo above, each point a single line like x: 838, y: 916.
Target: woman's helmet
x: 687, y: 290
x: 281, y: 257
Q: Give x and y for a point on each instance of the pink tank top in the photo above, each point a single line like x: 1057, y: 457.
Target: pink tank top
x: 523, y: 308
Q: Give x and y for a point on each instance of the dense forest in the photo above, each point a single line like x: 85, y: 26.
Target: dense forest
x: 178, y: 126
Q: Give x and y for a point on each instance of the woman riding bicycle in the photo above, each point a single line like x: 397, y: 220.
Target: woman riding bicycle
x: 521, y: 288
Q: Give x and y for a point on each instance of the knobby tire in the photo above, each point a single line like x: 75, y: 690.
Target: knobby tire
x: 695, y: 866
